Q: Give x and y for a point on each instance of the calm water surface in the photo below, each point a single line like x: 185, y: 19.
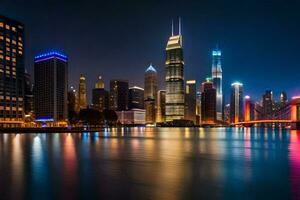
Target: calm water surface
x: 152, y: 163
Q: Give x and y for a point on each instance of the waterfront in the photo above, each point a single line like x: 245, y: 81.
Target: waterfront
x: 152, y: 163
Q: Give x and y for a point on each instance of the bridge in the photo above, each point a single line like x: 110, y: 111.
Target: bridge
x: 288, y: 115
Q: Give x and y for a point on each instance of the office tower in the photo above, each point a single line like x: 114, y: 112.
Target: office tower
x: 50, y: 86
x: 174, y: 79
x: 190, y: 101
x: 72, y: 100
x: 11, y: 72
x: 118, y: 99
x: 100, y: 97
x: 136, y: 98
x: 208, y: 103
x: 28, y: 95
x: 150, y: 93
x: 236, y: 102
x: 161, y: 106
x: 82, y: 93
x: 198, y: 107
x: 283, y: 99
x: 227, y: 113
x: 268, y: 104
x: 217, y: 80
x: 248, y: 109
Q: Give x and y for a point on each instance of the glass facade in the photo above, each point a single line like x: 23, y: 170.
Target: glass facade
x: 217, y: 81
x: 174, y: 79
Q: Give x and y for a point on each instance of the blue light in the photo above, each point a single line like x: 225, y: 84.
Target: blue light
x: 216, y: 53
x: 50, y: 55
x: 44, y: 119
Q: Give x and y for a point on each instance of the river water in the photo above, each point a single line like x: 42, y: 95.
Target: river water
x: 152, y: 163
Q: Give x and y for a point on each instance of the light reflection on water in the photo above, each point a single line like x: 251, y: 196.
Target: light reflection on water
x: 152, y: 163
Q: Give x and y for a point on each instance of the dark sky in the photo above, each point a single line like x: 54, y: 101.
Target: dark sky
x: 118, y: 39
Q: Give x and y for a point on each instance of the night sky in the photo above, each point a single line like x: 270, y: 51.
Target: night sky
x: 119, y: 39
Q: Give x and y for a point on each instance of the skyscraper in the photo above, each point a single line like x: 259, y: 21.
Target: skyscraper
x: 208, y: 103
x: 174, y: 77
x: 82, y: 96
x: 283, y: 99
x: 190, y: 101
x: 268, y: 104
x: 248, y: 109
x: 217, y: 80
x: 118, y: 99
x: 11, y: 71
x: 100, y: 97
x: 51, y: 85
x: 136, y: 98
x: 150, y: 94
x: 161, y: 106
x: 28, y: 95
x: 236, y: 102
x: 72, y: 100
x: 198, y: 107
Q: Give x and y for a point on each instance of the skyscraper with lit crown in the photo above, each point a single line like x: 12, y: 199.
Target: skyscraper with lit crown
x: 174, y: 66
x: 217, y: 81
x: 236, y: 102
x: 150, y: 94
x: 82, y: 97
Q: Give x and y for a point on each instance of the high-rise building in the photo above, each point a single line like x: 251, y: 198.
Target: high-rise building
x: 136, y: 98
x: 50, y: 86
x: 217, y: 80
x: 82, y: 93
x: 150, y: 94
x: 236, y: 102
x: 28, y: 95
x: 283, y: 98
x: 72, y: 100
x: 198, y: 107
x: 100, y: 97
x: 208, y: 103
x: 11, y: 72
x: 248, y: 109
x: 174, y: 77
x: 118, y: 99
x: 268, y: 104
x: 190, y: 101
x: 161, y: 106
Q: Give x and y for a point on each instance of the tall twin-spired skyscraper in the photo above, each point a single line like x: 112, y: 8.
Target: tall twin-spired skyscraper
x: 217, y: 81
x: 174, y: 77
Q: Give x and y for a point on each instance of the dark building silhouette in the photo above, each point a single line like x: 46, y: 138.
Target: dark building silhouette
x: 268, y: 104
x: 190, y: 101
x: 11, y: 71
x: 28, y: 95
x: 118, y: 95
x: 51, y: 86
x: 72, y: 100
x: 208, y: 103
x: 136, y: 98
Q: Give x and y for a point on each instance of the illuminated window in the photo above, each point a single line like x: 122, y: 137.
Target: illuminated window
x: 7, y: 27
x: 1, y: 56
x: 20, y: 38
x: 20, y: 52
x: 14, y: 42
x: 1, y: 37
x: 7, y: 49
x: 7, y: 58
x: 1, y: 24
x: 14, y: 50
x: 20, y: 44
x: 7, y: 40
x: 14, y: 29
x: 20, y: 27
x: 14, y: 59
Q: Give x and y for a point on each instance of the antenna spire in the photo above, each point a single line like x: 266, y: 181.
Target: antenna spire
x: 172, y: 28
x: 179, y: 24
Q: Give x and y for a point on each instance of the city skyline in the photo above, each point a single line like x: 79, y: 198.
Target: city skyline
x: 247, y: 50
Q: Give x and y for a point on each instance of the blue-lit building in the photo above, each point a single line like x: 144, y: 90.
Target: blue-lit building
x: 50, y: 86
x: 217, y: 81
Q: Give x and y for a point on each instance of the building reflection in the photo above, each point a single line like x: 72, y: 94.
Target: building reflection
x: 294, y: 157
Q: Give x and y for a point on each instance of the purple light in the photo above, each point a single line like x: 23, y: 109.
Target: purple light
x: 50, y: 55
